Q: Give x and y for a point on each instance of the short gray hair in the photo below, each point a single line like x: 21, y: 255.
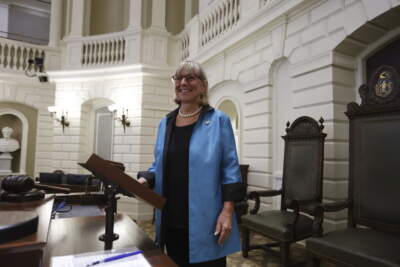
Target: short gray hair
x: 194, y: 68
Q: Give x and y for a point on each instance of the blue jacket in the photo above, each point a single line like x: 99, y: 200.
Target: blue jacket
x: 214, y: 177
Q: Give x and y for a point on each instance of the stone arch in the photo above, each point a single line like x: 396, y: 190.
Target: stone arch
x: 350, y: 52
x: 282, y: 111
x: 229, y: 91
x: 29, y: 114
x: 24, y: 129
x: 89, y: 118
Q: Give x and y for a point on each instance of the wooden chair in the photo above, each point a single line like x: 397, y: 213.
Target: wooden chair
x: 372, y: 236
x: 301, y: 191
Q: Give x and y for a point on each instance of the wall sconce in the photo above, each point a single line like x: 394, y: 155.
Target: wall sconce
x: 124, y: 116
x: 63, y: 120
x: 35, y: 68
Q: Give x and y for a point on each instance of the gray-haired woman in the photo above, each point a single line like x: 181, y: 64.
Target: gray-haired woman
x: 196, y: 168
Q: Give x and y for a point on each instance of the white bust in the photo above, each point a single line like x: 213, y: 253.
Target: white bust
x: 8, y: 144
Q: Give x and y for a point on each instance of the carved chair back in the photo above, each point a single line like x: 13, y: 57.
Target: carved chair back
x: 303, y: 162
x: 374, y: 170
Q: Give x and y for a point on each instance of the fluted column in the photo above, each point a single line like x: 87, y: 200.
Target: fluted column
x: 135, y: 15
x: 158, y: 14
x: 55, y: 23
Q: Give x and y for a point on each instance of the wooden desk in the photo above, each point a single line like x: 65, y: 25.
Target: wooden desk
x: 27, y: 251
x: 81, y: 234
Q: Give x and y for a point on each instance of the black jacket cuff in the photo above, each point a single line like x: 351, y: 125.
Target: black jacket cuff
x: 233, y: 192
x: 149, y: 176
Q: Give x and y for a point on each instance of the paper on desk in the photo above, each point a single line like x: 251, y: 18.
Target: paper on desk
x: 82, y: 260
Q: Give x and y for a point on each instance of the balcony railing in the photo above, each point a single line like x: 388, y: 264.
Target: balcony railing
x: 222, y: 18
x: 185, y: 42
x: 14, y: 55
x: 219, y: 20
x: 105, y: 49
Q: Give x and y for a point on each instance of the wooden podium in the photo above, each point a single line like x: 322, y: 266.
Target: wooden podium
x: 116, y: 181
x: 112, y: 172
x: 76, y: 235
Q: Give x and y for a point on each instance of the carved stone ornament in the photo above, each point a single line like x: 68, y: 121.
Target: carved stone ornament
x: 383, y: 87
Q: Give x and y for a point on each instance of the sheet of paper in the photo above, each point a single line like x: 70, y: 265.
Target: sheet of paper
x: 82, y: 260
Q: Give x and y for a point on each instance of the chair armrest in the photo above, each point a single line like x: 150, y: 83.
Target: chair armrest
x: 255, y: 195
x: 335, y: 206
x: 321, y: 208
x: 296, y: 204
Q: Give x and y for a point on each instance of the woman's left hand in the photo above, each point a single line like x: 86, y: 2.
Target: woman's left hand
x: 224, y: 222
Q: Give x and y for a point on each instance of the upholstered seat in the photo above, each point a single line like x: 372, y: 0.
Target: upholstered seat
x: 358, y: 247
x: 301, y: 191
x: 278, y: 221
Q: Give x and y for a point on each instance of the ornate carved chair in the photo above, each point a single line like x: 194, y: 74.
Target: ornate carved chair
x: 301, y: 191
x: 374, y: 182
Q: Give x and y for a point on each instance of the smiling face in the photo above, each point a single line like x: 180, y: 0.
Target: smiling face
x: 190, y: 84
x: 188, y: 88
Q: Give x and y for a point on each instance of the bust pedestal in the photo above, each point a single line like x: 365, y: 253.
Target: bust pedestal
x: 5, y: 163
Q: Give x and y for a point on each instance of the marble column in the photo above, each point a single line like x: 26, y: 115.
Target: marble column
x: 135, y: 15
x: 158, y: 14
x: 55, y: 23
x: 77, y: 18
x: 188, y: 11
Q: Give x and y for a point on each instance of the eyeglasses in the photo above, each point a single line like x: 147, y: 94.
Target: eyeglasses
x: 178, y: 78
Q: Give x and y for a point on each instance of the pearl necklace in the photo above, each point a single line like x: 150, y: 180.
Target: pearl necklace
x: 183, y: 115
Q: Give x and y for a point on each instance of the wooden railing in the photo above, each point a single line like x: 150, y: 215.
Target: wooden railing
x: 14, y: 55
x: 103, y: 50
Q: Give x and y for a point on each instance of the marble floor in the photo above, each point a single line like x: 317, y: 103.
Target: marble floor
x: 257, y: 258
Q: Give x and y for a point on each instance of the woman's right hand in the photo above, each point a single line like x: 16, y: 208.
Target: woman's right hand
x: 142, y: 181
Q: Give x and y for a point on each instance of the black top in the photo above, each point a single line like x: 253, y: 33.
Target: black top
x: 177, y: 178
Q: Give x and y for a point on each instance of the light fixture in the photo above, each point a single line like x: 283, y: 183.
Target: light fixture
x: 63, y: 120
x: 35, y: 67
x: 124, y: 116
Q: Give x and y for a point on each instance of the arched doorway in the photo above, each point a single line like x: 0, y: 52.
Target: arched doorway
x: 98, y: 132
x: 229, y: 108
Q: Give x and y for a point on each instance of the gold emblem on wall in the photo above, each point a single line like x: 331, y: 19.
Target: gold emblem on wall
x: 384, y: 84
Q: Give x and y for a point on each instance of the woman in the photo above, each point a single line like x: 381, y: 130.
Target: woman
x: 196, y: 168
